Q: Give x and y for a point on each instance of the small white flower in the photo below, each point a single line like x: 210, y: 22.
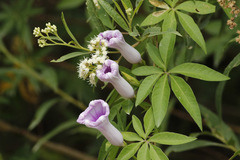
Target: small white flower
x: 129, y: 11
x: 90, y: 47
x: 42, y: 42
x: 92, y: 79
x: 37, y: 32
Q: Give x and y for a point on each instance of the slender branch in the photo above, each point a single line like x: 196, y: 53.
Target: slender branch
x: 37, y: 76
x: 50, y: 145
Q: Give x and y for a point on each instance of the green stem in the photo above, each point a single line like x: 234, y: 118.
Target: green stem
x: 37, y: 76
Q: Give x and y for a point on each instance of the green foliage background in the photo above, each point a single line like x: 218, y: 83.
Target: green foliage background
x: 30, y: 83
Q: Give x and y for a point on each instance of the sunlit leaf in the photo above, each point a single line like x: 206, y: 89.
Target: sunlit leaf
x: 170, y: 138
x: 156, y: 153
x: 137, y: 125
x: 128, y: 151
x: 146, y: 70
x: 143, y: 152
x: 159, y: 4
x: 131, y: 136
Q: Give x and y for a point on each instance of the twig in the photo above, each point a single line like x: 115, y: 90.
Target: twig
x: 50, y: 145
x: 37, y: 76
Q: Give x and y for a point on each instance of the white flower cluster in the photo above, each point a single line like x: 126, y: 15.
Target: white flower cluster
x: 87, y: 67
x: 129, y: 11
x: 37, y: 32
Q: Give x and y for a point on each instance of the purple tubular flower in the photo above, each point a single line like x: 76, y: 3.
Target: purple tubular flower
x: 96, y: 116
x: 110, y: 73
x: 115, y: 40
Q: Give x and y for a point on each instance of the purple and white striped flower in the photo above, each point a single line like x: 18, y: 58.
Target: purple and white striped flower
x: 115, y: 40
x: 96, y: 116
x: 110, y: 73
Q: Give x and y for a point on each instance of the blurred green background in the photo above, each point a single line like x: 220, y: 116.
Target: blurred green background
x: 30, y: 83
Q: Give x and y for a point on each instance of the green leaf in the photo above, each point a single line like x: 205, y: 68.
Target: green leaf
x: 220, y: 88
x: 131, y: 136
x: 192, y: 145
x: 185, y: 95
x: 167, y: 43
x: 105, y: 19
x: 114, y: 14
x: 156, y: 153
x: 138, y: 5
x: 93, y: 16
x: 192, y: 29
x: 68, y: 30
x: 69, y: 56
x: 41, y: 112
x: 50, y: 76
x: 137, y: 125
x: 160, y: 99
x: 159, y: 4
x: 119, y: 9
x: 143, y: 153
x: 69, y: 4
x: 148, y: 121
x: 196, y: 7
x: 127, y: 4
x: 154, y: 18
x: 154, y: 54
x: 219, y: 128
x: 54, y: 132
x: 112, y: 153
x: 145, y: 88
x: 237, y: 153
x: 146, y: 70
x: 170, y: 138
x: 127, y: 106
x: 129, y: 151
x: 198, y: 71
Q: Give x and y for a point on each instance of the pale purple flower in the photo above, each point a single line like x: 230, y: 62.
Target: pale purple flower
x: 110, y: 73
x: 115, y: 40
x: 96, y: 116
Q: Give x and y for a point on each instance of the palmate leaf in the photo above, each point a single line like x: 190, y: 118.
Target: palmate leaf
x: 198, y: 71
x: 146, y: 87
x: 167, y: 43
x: 154, y: 54
x: 154, y: 18
x: 131, y: 136
x: 114, y: 14
x: 137, y: 125
x: 170, y: 138
x: 143, y: 153
x: 128, y: 151
x: 148, y: 122
x: 192, y: 29
x: 186, y: 97
x: 198, y: 7
x: 160, y: 99
x: 146, y: 70
x: 156, y: 153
